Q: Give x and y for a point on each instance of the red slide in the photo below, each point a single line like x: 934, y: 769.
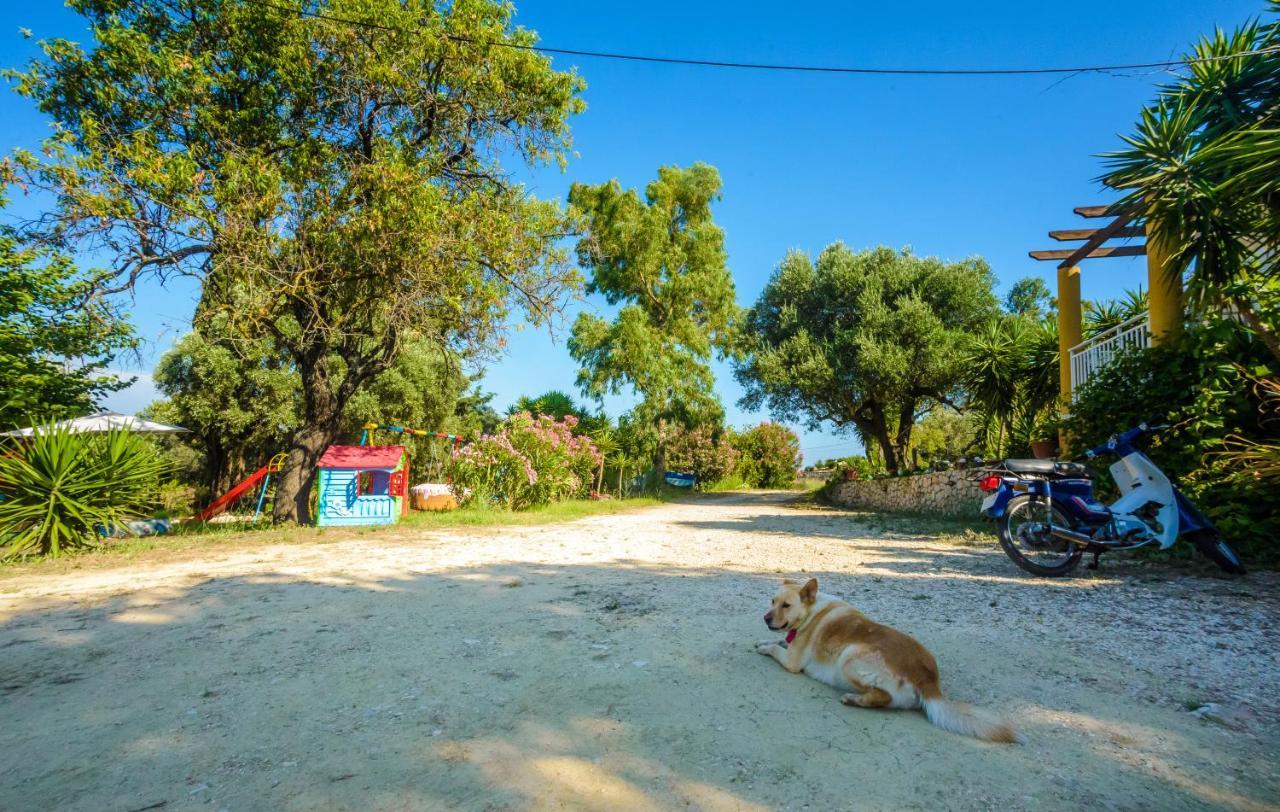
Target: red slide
x: 220, y: 504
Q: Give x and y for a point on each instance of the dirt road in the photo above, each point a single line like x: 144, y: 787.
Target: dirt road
x: 608, y: 664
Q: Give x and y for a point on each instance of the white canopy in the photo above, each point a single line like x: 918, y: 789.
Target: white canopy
x: 104, y: 421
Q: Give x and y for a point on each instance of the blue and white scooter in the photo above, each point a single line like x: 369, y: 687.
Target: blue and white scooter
x: 1048, y: 518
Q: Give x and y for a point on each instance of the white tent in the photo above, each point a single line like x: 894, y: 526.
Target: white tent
x: 104, y: 421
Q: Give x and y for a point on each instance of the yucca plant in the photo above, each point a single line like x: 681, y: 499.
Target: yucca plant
x: 60, y: 489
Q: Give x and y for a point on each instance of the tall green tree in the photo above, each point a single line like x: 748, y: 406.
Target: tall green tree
x: 662, y: 259
x: 864, y: 341
x: 1202, y: 166
x: 1029, y: 296
x: 335, y: 177
x: 56, y: 336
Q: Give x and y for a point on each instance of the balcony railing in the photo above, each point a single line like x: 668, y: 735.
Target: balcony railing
x: 1095, y: 353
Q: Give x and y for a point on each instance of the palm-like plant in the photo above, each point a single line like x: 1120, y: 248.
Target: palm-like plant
x: 1204, y: 166
x: 59, y: 489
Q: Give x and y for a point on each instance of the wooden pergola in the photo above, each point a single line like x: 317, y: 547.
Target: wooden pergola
x: 1164, y: 297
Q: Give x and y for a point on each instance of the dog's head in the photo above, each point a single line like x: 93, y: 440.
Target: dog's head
x: 791, y: 605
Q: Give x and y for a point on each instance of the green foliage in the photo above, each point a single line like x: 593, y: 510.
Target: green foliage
x: 704, y: 452
x: 341, y: 190
x: 59, y: 488
x: 770, y: 454
x: 663, y: 260
x: 1011, y: 377
x: 243, y: 401
x: 240, y: 402
x: 945, y: 434
x: 1201, y: 166
x: 55, y: 335
x: 529, y: 462
x: 1029, y: 296
x: 1201, y: 386
x: 862, y: 340
x: 559, y: 404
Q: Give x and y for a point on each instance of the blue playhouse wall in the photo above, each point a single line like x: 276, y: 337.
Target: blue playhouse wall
x: 339, y: 504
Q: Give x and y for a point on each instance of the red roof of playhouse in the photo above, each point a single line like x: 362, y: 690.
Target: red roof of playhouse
x: 361, y: 456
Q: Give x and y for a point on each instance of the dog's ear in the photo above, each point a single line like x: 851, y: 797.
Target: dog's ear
x: 790, y: 582
x: 809, y: 591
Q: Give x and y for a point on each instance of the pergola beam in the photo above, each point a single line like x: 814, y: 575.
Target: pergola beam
x: 1093, y: 211
x: 1067, y: 234
x: 1074, y: 255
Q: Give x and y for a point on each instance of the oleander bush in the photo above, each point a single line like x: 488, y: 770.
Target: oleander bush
x: 529, y: 461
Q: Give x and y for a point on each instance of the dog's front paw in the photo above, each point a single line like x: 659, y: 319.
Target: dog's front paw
x: 766, y: 647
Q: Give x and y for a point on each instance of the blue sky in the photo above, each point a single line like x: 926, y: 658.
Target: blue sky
x: 950, y: 166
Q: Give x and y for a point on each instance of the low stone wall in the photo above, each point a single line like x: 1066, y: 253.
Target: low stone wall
x: 944, y: 493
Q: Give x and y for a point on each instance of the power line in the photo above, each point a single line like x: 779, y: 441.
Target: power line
x: 766, y: 66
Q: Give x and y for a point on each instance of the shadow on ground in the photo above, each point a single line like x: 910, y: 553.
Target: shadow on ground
x: 519, y: 685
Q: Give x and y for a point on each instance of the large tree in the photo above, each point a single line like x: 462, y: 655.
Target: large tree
x: 662, y: 259
x: 864, y: 341
x: 335, y: 175
x: 56, y: 336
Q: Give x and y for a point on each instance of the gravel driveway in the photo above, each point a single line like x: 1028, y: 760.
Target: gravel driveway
x: 608, y: 664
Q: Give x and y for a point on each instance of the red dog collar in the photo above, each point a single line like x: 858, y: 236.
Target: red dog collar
x: 791, y: 635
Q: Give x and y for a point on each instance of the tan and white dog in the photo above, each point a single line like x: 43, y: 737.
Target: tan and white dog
x: 880, y: 667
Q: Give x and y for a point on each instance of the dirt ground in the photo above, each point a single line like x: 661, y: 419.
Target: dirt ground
x: 608, y: 664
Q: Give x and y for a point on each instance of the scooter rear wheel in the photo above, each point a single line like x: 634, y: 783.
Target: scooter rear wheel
x: 1212, y: 546
x: 1031, y: 549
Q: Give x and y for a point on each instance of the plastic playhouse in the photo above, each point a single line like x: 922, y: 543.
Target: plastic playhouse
x: 362, y: 484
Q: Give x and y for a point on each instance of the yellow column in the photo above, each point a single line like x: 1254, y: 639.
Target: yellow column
x: 1069, y: 329
x: 1164, y: 299
x: 1070, y: 334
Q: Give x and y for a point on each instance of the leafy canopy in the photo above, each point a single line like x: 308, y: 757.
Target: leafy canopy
x: 1202, y: 166
x: 56, y: 337
x: 340, y: 189
x: 662, y: 259
x: 862, y: 340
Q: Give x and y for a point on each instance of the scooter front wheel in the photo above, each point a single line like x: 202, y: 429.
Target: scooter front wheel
x: 1024, y: 535
x: 1212, y: 546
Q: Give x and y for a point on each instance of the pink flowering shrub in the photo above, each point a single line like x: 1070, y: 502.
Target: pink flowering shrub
x: 701, y: 452
x: 528, y: 462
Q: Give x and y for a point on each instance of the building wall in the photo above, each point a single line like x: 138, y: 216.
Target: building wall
x: 944, y: 493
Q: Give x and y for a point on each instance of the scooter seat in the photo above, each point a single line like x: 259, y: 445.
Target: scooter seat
x: 1047, y: 468
x: 1037, y: 467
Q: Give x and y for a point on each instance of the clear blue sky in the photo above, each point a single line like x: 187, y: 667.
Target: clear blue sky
x: 953, y: 167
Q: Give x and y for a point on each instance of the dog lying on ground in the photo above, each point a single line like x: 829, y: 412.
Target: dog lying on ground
x: 880, y: 667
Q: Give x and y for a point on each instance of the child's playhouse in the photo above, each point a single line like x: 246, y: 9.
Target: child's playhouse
x: 362, y: 484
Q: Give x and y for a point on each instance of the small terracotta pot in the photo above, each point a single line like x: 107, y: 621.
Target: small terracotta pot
x: 1044, y: 449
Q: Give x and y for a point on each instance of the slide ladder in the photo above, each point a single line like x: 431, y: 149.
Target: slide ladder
x: 262, y: 475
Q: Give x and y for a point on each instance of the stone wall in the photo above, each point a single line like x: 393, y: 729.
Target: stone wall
x: 944, y: 493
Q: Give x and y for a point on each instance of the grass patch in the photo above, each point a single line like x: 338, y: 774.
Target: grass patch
x: 199, y: 537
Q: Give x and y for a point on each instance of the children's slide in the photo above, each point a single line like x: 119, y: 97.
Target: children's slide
x: 220, y: 504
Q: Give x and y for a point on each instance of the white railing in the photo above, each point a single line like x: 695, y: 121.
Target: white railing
x: 1094, y: 353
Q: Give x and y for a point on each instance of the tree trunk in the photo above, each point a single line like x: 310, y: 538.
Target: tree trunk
x: 906, y: 421
x: 879, y: 429
x: 319, y: 430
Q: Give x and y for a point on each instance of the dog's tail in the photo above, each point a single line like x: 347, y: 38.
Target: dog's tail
x: 965, y: 719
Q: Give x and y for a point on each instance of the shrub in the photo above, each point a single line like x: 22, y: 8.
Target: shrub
x: 528, y: 462
x: 704, y: 452
x: 59, y: 489
x: 770, y: 454
x: 1201, y: 386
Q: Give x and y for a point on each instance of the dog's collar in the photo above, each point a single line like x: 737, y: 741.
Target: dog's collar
x: 791, y: 635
